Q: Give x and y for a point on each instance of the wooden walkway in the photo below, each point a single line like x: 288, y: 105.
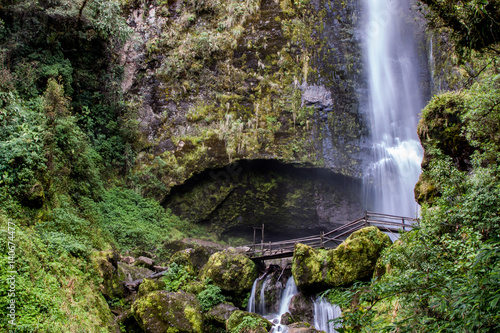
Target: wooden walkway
x: 331, y: 239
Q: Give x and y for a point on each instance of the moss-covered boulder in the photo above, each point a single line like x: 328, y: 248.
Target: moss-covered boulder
x: 149, y: 285
x: 242, y: 321
x: 115, y: 273
x: 162, y: 312
x: 193, y: 259
x: 230, y: 270
x: 202, y: 250
x: 354, y: 259
x: 215, y: 319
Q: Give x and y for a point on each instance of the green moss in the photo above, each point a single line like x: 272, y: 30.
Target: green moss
x: 352, y: 260
x: 149, y: 285
x: 160, y: 311
x: 240, y: 321
x: 230, y: 271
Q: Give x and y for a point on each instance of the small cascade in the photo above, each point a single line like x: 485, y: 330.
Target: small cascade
x: 251, y: 301
x: 262, y: 299
x: 286, y: 296
x: 323, y: 313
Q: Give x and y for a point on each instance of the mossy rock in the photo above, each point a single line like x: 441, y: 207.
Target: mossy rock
x: 149, y: 285
x: 231, y: 271
x: 105, y: 264
x: 172, y: 247
x: 162, y: 312
x: 194, y: 287
x: 216, y: 318
x: 235, y: 323
x: 193, y: 259
x: 354, y: 259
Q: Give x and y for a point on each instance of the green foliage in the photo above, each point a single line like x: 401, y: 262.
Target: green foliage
x: 474, y: 25
x: 247, y: 324
x: 210, y: 297
x: 176, y: 277
x: 134, y: 221
x: 53, y: 293
x: 22, y: 157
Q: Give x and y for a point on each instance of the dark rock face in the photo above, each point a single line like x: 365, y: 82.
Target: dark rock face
x: 278, y: 81
x: 288, y: 200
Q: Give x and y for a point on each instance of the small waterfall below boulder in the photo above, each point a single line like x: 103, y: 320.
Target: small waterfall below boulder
x: 324, y: 312
x: 394, y: 100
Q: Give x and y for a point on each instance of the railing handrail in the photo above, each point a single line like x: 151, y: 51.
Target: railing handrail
x: 370, y: 218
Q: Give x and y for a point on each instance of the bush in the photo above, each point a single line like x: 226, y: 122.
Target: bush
x: 176, y: 277
x: 210, y: 297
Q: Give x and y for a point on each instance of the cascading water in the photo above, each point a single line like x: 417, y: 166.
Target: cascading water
x: 394, y: 102
x: 323, y: 313
x: 251, y: 301
x: 285, y: 298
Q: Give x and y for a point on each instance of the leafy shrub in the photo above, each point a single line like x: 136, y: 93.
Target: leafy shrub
x: 176, y: 277
x: 247, y: 324
x: 53, y: 293
x: 210, y: 297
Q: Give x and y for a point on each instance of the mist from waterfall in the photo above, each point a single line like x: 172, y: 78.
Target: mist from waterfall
x: 394, y: 102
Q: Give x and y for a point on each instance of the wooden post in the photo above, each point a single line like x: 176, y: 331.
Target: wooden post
x: 404, y: 225
x: 262, y: 240
x: 366, y: 218
x: 321, y: 243
x: 254, y: 235
x: 270, y: 248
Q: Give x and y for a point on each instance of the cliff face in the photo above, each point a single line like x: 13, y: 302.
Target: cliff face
x: 218, y: 82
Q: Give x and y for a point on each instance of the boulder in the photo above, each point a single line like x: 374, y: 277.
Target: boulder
x: 161, y: 312
x: 171, y: 247
x: 144, y: 262
x: 128, y: 260
x: 301, y: 309
x: 217, y: 317
x: 149, y: 285
x: 238, y: 319
x: 114, y: 274
x: 193, y: 259
x: 354, y: 259
x: 231, y: 271
x: 302, y: 328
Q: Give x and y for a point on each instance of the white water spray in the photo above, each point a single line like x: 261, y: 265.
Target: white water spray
x: 323, y: 313
x: 394, y: 103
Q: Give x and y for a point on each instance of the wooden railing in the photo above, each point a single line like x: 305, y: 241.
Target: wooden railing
x: 331, y: 239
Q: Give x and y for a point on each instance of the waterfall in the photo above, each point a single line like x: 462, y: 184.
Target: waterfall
x: 262, y: 298
x: 394, y: 101
x: 285, y: 298
x: 323, y: 313
x: 251, y: 301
